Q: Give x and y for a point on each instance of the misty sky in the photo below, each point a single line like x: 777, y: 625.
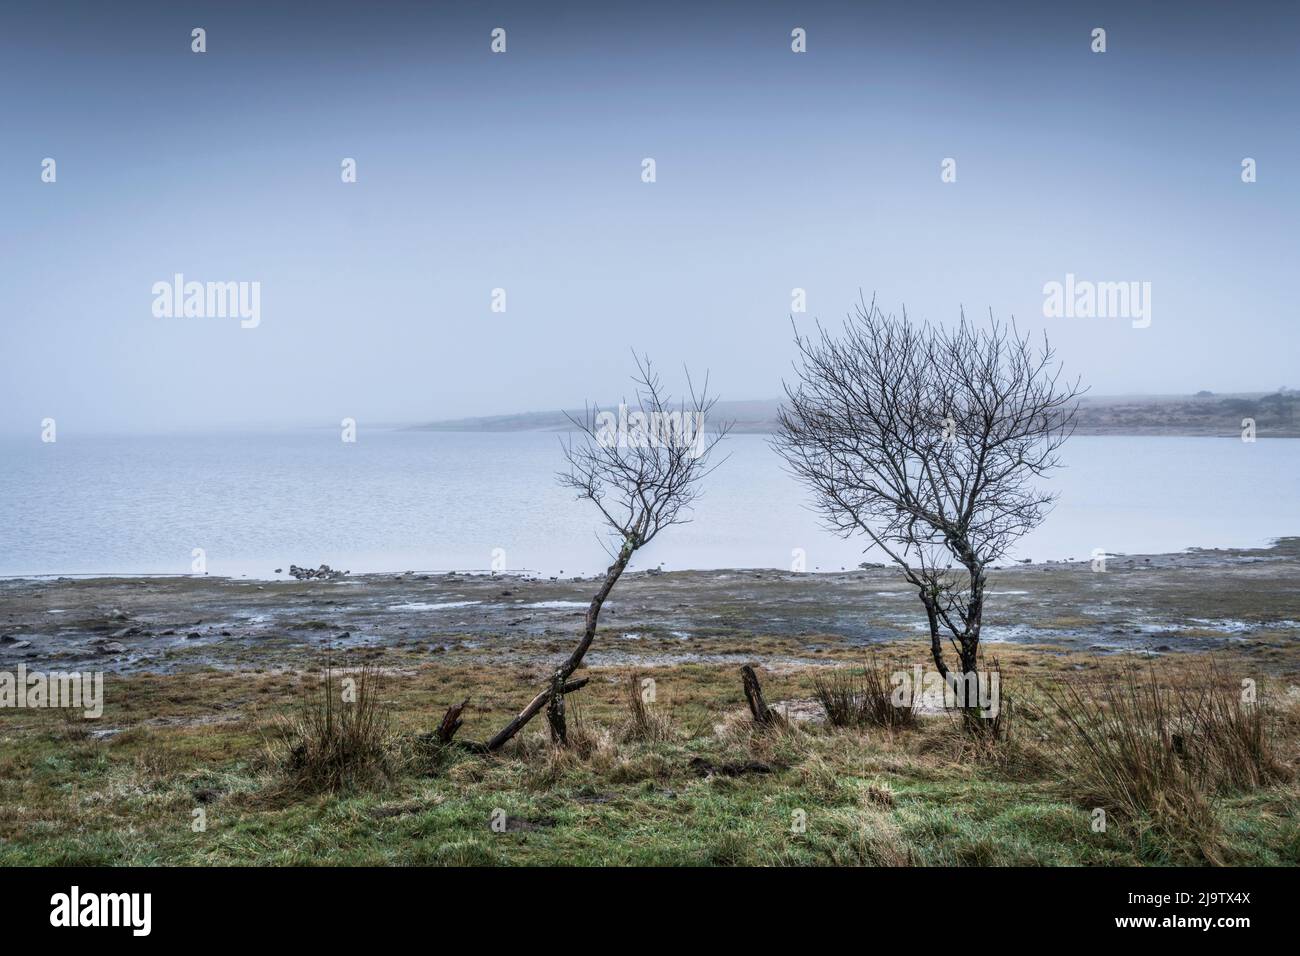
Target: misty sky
x: 523, y: 171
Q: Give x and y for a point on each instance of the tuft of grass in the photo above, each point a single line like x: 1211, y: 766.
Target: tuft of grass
x: 838, y: 693
x: 780, y: 745
x: 645, y: 724
x: 341, y: 738
x: 1231, y: 732
x: 878, y: 793
x: 865, y: 837
x: 1126, y: 750
x: 863, y: 700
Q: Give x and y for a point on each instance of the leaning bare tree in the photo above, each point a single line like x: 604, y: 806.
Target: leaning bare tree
x: 929, y: 441
x: 641, y: 468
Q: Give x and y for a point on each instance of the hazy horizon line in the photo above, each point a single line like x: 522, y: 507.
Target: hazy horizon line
x: 427, y: 421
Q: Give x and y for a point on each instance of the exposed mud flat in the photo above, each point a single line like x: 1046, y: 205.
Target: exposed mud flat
x: 1247, y: 601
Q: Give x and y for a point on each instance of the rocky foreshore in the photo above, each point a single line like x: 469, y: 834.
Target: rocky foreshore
x: 1246, y: 601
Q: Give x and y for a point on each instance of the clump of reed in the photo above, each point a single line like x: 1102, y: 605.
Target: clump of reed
x: 863, y: 699
x: 1156, y: 747
x: 341, y: 738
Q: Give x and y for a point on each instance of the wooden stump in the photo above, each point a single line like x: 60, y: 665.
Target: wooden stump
x: 451, y: 722
x: 764, y: 716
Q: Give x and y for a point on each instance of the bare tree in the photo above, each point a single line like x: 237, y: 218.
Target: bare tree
x: 929, y: 441
x: 641, y: 467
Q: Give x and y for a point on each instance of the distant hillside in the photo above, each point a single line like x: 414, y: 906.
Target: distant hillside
x: 1276, y: 415
x: 751, y: 416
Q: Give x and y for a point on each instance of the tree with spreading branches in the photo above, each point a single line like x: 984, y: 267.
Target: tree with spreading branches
x: 929, y: 441
x: 641, y: 467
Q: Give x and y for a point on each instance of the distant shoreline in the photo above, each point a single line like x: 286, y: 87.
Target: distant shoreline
x: 1278, y: 547
x: 1275, y: 415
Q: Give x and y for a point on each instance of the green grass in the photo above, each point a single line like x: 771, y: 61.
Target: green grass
x: 866, y: 797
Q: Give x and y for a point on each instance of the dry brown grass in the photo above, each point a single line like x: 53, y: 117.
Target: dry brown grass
x: 863, y: 700
x: 1155, y: 746
x: 1233, y: 738
x: 341, y: 739
x: 645, y: 723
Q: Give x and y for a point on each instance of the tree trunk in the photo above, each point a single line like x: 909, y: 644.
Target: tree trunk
x: 936, y: 642
x: 973, y: 714
x: 555, y: 714
x: 565, y: 670
x: 970, y: 643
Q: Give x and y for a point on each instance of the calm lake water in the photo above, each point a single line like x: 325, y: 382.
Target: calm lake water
x: 426, y: 501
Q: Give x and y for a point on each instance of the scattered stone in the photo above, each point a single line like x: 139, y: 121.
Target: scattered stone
x: 112, y: 647
x: 323, y: 573
x: 192, y: 635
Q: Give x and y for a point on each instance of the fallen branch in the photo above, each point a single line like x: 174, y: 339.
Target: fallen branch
x: 529, y: 712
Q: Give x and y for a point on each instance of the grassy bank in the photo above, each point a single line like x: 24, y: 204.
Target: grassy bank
x: 700, y: 786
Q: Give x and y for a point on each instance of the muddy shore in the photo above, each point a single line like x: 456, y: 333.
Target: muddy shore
x: 1243, y: 601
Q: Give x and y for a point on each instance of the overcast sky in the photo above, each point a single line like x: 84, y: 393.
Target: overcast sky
x: 523, y: 171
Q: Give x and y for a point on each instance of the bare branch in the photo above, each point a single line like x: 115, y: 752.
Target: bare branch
x: 930, y: 442
x: 641, y: 466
